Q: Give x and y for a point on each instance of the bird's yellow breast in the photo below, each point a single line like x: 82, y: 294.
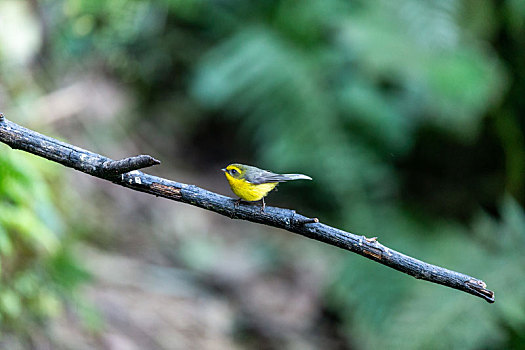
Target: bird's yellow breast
x: 248, y: 191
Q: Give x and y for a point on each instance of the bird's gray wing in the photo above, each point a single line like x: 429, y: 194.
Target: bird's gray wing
x: 263, y: 177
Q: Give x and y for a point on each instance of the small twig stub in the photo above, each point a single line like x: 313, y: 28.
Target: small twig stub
x: 117, y: 167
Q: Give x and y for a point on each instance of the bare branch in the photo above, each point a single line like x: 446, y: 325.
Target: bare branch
x: 90, y: 163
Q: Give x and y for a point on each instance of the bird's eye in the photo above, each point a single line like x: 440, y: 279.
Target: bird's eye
x: 234, y: 171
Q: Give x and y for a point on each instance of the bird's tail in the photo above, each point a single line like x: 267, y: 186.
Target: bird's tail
x: 297, y: 177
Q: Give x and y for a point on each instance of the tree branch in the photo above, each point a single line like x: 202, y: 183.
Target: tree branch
x: 125, y: 173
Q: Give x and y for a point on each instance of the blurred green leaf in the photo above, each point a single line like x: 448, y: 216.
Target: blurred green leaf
x: 10, y: 303
x: 35, y: 276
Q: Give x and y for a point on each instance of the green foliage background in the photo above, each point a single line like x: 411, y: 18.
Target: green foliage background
x: 409, y: 115
x: 37, y: 272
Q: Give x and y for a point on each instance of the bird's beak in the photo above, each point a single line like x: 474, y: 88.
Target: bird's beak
x: 223, y: 169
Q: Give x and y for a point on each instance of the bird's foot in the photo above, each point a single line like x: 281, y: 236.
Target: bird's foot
x: 237, y: 203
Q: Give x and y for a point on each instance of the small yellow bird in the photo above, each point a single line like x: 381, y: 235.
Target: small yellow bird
x: 253, y: 184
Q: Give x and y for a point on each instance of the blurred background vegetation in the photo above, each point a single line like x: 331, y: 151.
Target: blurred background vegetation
x: 408, y: 114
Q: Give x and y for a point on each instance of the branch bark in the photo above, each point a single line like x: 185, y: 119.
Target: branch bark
x: 125, y: 173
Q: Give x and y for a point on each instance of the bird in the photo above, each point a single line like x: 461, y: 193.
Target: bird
x: 251, y: 184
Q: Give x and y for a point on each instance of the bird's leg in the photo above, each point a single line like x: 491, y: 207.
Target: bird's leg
x: 263, y: 206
